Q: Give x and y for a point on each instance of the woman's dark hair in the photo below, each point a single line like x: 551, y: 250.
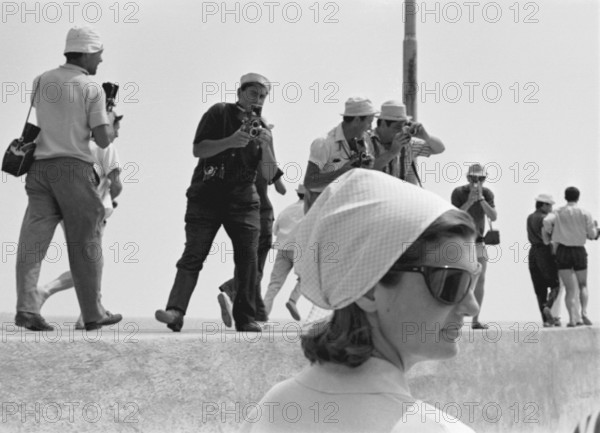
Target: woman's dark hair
x: 346, y: 339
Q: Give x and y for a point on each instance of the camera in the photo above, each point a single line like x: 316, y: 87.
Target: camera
x: 111, y: 90
x: 361, y: 159
x: 410, y: 128
x: 251, y: 122
x: 361, y: 156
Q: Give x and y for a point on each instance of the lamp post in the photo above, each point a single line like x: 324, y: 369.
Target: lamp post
x: 409, y: 77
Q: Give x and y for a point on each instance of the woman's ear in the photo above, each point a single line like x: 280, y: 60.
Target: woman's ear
x: 367, y: 302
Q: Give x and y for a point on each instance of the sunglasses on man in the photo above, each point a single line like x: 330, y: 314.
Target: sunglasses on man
x: 447, y: 284
x: 476, y: 178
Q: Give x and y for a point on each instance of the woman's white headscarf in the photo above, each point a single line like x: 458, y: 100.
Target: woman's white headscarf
x: 356, y: 230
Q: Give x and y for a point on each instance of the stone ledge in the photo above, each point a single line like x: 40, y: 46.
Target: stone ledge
x: 518, y: 380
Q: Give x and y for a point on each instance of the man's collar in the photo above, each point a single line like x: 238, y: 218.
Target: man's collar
x: 74, y: 68
x: 338, y: 133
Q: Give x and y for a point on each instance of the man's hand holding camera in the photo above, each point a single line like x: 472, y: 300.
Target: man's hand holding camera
x: 238, y: 139
x: 475, y: 193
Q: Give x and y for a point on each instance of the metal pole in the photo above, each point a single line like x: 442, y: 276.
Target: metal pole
x: 409, y: 85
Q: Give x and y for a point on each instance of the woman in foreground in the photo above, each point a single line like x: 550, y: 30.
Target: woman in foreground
x: 394, y: 263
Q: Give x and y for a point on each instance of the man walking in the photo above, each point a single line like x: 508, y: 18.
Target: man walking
x: 62, y: 185
x: 223, y: 193
x: 569, y: 227
x: 542, y: 265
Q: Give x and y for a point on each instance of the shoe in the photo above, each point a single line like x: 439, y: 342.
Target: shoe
x: 570, y: 325
x: 263, y: 318
x: 547, y: 315
x: 586, y: 321
x: 291, y: 306
x: 173, y: 319
x: 479, y: 325
x: 248, y: 327
x: 548, y: 325
x: 557, y: 321
x: 108, y: 319
x: 579, y: 324
x: 226, y: 309
x: 32, y: 321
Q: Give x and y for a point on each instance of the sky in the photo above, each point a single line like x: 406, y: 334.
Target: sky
x: 512, y: 85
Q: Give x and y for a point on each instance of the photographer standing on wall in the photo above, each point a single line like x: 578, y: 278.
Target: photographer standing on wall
x: 231, y: 142
x: 345, y: 147
x: 398, y: 142
x: 477, y: 201
x: 61, y: 184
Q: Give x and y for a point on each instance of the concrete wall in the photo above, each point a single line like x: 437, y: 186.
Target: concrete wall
x: 518, y: 380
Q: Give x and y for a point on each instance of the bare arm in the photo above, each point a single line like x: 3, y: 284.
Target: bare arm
x: 491, y: 212
x: 116, y: 187
x: 103, y: 135
x: 435, y: 144
x: 280, y: 187
x: 316, y: 178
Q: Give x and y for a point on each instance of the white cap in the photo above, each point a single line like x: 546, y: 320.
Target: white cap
x: 83, y: 40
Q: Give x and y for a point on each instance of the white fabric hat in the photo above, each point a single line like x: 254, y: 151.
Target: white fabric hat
x: 357, y: 107
x: 83, y: 40
x: 545, y: 198
x: 393, y: 110
x: 356, y: 230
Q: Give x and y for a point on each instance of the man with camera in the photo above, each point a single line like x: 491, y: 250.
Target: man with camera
x: 398, y: 142
x: 478, y: 201
x: 232, y: 142
x: 345, y: 147
x: 62, y: 185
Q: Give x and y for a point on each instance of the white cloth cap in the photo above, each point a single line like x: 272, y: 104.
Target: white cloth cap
x: 356, y: 230
x: 83, y: 40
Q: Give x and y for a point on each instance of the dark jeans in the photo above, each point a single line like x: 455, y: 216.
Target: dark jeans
x: 265, y: 241
x: 209, y: 206
x: 544, y: 274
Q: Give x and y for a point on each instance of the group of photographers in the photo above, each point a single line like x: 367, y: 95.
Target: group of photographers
x: 233, y: 142
x: 236, y: 164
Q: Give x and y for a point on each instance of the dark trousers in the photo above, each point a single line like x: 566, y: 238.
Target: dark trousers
x: 62, y: 189
x: 236, y: 208
x: 544, y: 275
x: 265, y: 241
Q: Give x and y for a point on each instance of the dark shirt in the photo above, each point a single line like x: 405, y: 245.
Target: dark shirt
x: 232, y: 165
x: 460, y: 195
x: 534, y: 227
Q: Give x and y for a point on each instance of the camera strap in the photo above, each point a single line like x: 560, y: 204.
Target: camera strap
x: 30, y: 107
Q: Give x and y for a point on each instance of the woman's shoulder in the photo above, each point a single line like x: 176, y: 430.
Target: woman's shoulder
x: 421, y: 417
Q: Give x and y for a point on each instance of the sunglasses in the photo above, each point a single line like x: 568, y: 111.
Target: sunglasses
x: 476, y: 178
x: 446, y: 284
